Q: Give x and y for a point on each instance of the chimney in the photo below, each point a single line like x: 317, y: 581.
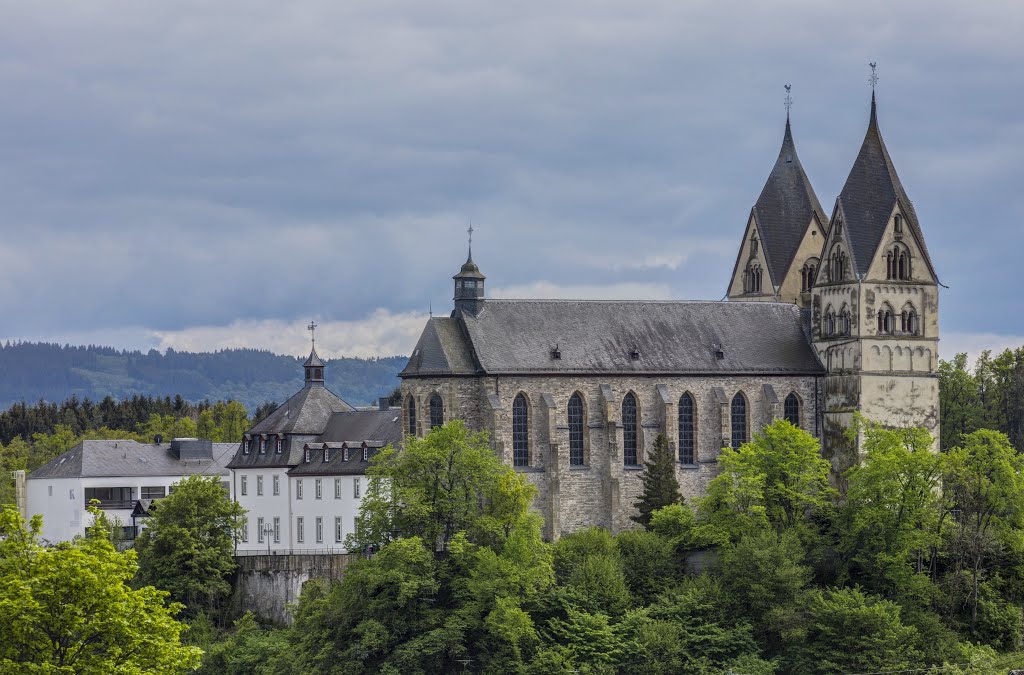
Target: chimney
x: 383, y: 403
x: 20, y: 495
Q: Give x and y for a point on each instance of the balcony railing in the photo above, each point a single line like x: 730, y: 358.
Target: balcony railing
x: 127, y: 504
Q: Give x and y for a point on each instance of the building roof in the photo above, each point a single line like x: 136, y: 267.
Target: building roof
x: 601, y: 336
x: 306, y: 412
x: 785, y: 208
x: 114, y: 458
x: 871, y: 191
x: 313, y: 361
x: 336, y: 464
x: 354, y: 430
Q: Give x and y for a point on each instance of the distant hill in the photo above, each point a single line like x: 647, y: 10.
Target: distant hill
x: 33, y: 371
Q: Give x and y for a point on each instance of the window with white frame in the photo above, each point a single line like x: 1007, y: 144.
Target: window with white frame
x: 259, y: 530
x: 245, y: 530
x: 263, y: 445
x: 366, y: 454
x: 337, y: 488
x: 152, y: 492
x: 319, y: 488
x: 298, y: 488
x: 280, y: 445
x: 277, y: 530
x: 244, y: 485
x: 300, y: 529
x: 277, y: 485
x: 319, y: 530
x: 259, y: 485
x: 337, y: 529
x: 355, y: 488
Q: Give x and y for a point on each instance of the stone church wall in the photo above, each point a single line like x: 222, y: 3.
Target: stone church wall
x: 602, y: 491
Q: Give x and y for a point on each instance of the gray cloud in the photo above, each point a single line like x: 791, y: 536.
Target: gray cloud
x: 168, y: 168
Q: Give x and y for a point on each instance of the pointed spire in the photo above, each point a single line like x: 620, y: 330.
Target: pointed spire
x: 785, y: 207
x: 314, y: 366
x: 469, y: 231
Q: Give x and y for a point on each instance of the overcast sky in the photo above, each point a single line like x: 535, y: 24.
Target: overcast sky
x: 199, y: 174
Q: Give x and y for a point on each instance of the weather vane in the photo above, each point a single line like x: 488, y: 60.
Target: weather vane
x: 874, y: 76
x: 788, y: 100
x: 312, y: 331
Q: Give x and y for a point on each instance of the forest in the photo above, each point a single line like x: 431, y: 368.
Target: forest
x: 51, y: 372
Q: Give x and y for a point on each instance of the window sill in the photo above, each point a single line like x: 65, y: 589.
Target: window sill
x: 689, y: 466
x: 632, y: 467
x: 579, y: 467
x: 528, y: 469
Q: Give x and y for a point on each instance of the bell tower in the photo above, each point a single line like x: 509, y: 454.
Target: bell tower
x: 875, y: 306
x: 469, y: 284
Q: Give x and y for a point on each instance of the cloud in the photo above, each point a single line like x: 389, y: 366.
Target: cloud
x: 172, y: 168
x: 382, y: 333
x: 973, y: 344
x: 546, y: 290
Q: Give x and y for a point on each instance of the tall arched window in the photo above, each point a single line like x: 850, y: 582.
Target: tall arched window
x: 837, y: 264
x: 436, y: 411
x: 752, y: 278
x: 411, y: 405
x: 829, y: 326
x: 791, y: 409
x: 897, y: 263
x: 687, y: 427
x: 520, y: 432
x: 807, y: 274
x: 739, y: 420
x: 629, y: 430
x: 576, y: 427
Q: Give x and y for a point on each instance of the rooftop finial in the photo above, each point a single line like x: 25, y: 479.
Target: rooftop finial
x: 469, y: 231
x: 874, y: 77
x: 788, y: 100
x: 312, y: 332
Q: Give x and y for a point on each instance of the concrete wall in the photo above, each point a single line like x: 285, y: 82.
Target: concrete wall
x: 268, y: 585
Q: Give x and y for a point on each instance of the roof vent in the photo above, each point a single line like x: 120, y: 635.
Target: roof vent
x: 789, y: 158
x: 635, y: 354
x: 719, y: 352
x: 556, y: 353
x: 158, y: 439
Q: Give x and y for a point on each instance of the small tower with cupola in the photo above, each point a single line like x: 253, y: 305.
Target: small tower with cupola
x: 469, y: 284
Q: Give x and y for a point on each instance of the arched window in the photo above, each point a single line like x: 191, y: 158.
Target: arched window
x: 897, y: 224
x: 791, y: 409
x: 436, y: 411
x: 908, y: 320
x: 829, y: 325
x: 520, y: 432
x: 629, y: 430
x: 576, y: 430
x: 837, y: 264
x: 752, y: 278
x: 843, y: 326
x: 807, y: 274
x: 411, y: 405
x: 687, y: 427
x: 739, y: 420
x: 897, y: 263
x: 885, y: 321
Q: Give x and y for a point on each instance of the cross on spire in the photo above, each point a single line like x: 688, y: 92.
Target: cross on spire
x: 788, y: 101
x: 874, y: 76
x: 469, y: 231
x: 312, y: 332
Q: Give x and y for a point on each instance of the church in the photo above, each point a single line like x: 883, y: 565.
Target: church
x: 825, y: 317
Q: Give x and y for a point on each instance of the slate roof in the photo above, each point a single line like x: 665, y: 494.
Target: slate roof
x: 784, y: 209
x: 313, y: 361
x: 442, y: 350
x: 599, y: 336
x: 94, y: 459
x: 306, y: 412
x: 871, y: 191
x: 373, y: 429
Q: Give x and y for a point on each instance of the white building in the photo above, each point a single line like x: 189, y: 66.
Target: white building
x: 299, y: 473
x: 124, y: 476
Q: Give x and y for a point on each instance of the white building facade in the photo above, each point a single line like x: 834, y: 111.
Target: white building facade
x: 123, y: 476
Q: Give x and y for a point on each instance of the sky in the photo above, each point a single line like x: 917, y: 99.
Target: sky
x: 201, y: 175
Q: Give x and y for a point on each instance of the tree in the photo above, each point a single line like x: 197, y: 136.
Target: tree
x: 69, y: 609
x: 958, y: 401
x: 448, y: 482
x: 188, y: 544
x: 984, y: 480
x: 891, y: 519
x: 777, y: 480
x: 661, y: 488
x: 849, y: 631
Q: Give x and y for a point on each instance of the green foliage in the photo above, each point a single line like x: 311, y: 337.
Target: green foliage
x: 248, y: 649
x: 448, y: 482
x: 69, y: 609
x: 661, y: 488
x: 187, y: 547
x: 849, y: 631
x: 776, y: 480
